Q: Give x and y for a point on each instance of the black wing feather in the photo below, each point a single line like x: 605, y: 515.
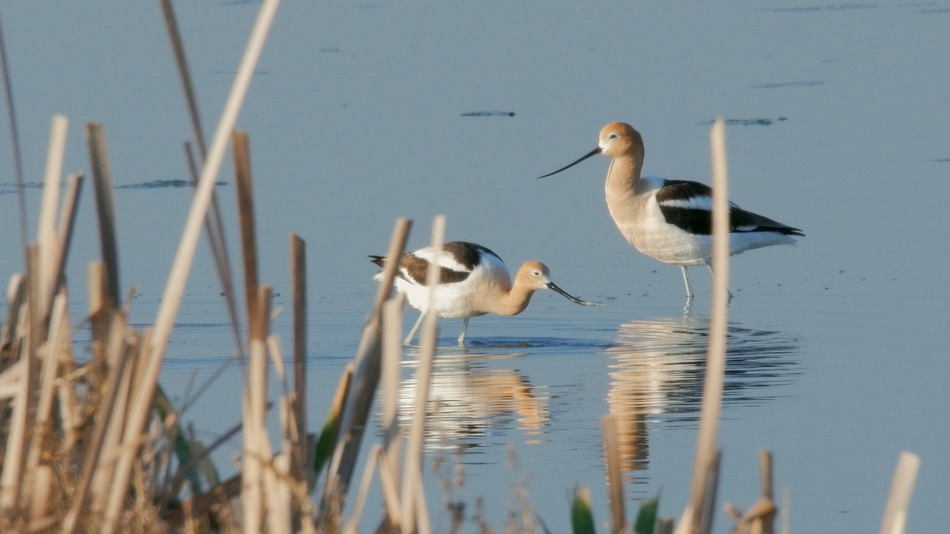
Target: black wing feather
x: 698, y: 221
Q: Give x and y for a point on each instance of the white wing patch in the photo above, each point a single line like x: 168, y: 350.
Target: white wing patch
x: 701, y: 202
x: 445, y: 260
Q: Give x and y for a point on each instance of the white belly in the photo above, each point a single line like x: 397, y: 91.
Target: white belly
x: 451, y: 300
x: 653, y: 236
x: 459, y: 299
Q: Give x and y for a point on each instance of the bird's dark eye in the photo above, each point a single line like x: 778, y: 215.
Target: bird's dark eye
x: 612, y: 136
x: 537, y: 273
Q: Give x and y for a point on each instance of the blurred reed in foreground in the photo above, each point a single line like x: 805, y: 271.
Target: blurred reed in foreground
x: 92, y: 444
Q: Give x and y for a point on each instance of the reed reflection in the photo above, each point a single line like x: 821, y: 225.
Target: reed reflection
x: 657, y: 375
x: 470, y: 402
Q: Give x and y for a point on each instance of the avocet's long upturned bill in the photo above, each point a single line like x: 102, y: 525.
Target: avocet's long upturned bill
x: 671, y: 220
x: 474, y: 281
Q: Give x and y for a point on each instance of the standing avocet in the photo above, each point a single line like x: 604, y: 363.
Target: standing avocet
x: 671, y: 220
x: 474, y: 281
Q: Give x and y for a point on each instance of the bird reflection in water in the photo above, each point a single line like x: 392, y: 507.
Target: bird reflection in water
x: 656, y: 375
x: 470, y: 402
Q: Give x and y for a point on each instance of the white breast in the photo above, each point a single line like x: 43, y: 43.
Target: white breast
x: 649, y: 232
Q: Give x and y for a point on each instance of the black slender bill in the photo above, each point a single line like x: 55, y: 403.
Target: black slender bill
x: 575, y: 300
x: 589, y: 154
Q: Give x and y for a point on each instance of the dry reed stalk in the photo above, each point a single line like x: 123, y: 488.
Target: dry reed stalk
x: 767, y: 517
x: 354, y: 415
x: 276, y: 491
x: 707, y: 511
x: 276, y: 510
x: 755, y: 520
x: 277, y: 358
x: 360, y: 393
x: 213, y: 224
x: 219, y: 248
x: 245, y: 205
x: 16, y: 295
x: 64, y: 234
x: 276, y: 496
x: 422, y: 510
x: 17, y: 437
x: 178, y: 276
x: 700, y: 496
x: 256, y: 387
x: 139, y: 376
x: 42, y: 493
x: 37, y: 317
x: 59, y: 328
x: 20, y: 425
x: 94, y: 452
x: 289, y: 439
x: 105, y: 208
x: 67, y: 216
x: 99, y: 313
x: 618, y: 522
x: 10, y: 381
x: 97, y: 302
x: 368, y: 471
x: 258, y: 453
x: 759, y: 518
x: 125, y: 361
x: 279, y: 492
x: 69, y: 407
x: 178, y: 49
x: 251, y: 499
x: 390, y: 485
x: 292, y: 485
x: 14, y: 141
x: 188, y: 512
x: 46, y: 233
x: 396, y: 246
x: 765, y: 472
x: 298, y: 273
x: 391, y: 375
x: 389, y: 454
x: 902, y: 488
x: 412, y: 473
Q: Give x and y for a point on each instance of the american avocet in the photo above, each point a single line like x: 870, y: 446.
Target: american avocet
x: 474, y: 281
x: 671, y: 220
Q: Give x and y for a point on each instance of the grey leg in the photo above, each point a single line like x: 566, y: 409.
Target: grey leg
x: 709, y: 266
x: 689, y: 287
x: 412, y: 332
x: 462, y: 335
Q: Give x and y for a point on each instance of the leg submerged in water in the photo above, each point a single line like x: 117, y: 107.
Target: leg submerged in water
x: 462, y: 334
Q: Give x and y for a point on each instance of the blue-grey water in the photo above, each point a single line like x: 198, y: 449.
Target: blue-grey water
x: 839, y: 124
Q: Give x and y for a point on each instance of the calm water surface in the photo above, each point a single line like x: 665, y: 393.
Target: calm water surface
x: 361, y: 113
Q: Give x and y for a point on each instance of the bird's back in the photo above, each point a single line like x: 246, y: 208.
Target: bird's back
x: 465, y: 270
